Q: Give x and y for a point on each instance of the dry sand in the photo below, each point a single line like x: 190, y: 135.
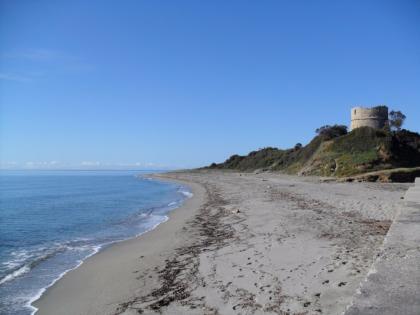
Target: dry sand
x: 244, y: 244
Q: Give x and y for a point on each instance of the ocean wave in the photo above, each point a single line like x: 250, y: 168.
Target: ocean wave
x: 22, y: 262
x: 186, y: 193
x: 158, y: 220
x: 26, y: 260
x: 37, y: 296
x: 30, y: 265
x: 18, y: 272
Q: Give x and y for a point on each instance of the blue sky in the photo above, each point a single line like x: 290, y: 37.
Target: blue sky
x: 137, y: 84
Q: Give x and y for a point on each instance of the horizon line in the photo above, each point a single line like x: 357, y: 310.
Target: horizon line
x: 87, y: 170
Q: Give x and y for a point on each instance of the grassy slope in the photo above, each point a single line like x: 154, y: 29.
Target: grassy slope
x: 360, y: 151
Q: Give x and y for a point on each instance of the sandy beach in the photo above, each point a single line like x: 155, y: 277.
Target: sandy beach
x: 244, y: 244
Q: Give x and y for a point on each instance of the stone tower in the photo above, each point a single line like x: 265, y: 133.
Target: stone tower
x: 375, y: 117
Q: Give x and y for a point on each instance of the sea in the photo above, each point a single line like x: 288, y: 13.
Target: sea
x: 51, y: 221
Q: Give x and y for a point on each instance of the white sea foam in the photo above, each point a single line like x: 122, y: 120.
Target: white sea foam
x: 18, y: 259
x: 162, y: 219
x: 26, y: 260
x: 36, y: 297
x: 15, y: 274
x: 155, y: 220
x: 186, y: 193
x: 158, y: 220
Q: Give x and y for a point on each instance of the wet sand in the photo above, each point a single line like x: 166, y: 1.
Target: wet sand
x: 244, y: 244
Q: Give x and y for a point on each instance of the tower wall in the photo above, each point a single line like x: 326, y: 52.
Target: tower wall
x: 375, y: 117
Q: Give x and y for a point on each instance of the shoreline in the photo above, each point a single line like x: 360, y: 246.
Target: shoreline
x: 253, y: 243
x: 37, y: 301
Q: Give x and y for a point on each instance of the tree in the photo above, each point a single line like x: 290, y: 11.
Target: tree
x: 396, y: 120
x: 330, y: 132
x: 298, y: 146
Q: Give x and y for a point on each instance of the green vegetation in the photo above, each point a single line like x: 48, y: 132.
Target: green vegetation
x: 334, y: 152
x: 396, y: 120
x: 330, y: 132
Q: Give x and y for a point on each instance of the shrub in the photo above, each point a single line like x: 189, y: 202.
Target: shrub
x: 330, y: 132
x: 298, y: 146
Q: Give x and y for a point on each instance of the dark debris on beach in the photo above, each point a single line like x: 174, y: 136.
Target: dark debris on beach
x: 179, y: 276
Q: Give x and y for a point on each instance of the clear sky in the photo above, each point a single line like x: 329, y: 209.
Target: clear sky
x: 185, y: 83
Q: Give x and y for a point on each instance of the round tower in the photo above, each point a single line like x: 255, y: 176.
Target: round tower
x: 375, y: 117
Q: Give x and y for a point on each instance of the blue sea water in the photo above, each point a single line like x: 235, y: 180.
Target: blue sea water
x: 50, y: 221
